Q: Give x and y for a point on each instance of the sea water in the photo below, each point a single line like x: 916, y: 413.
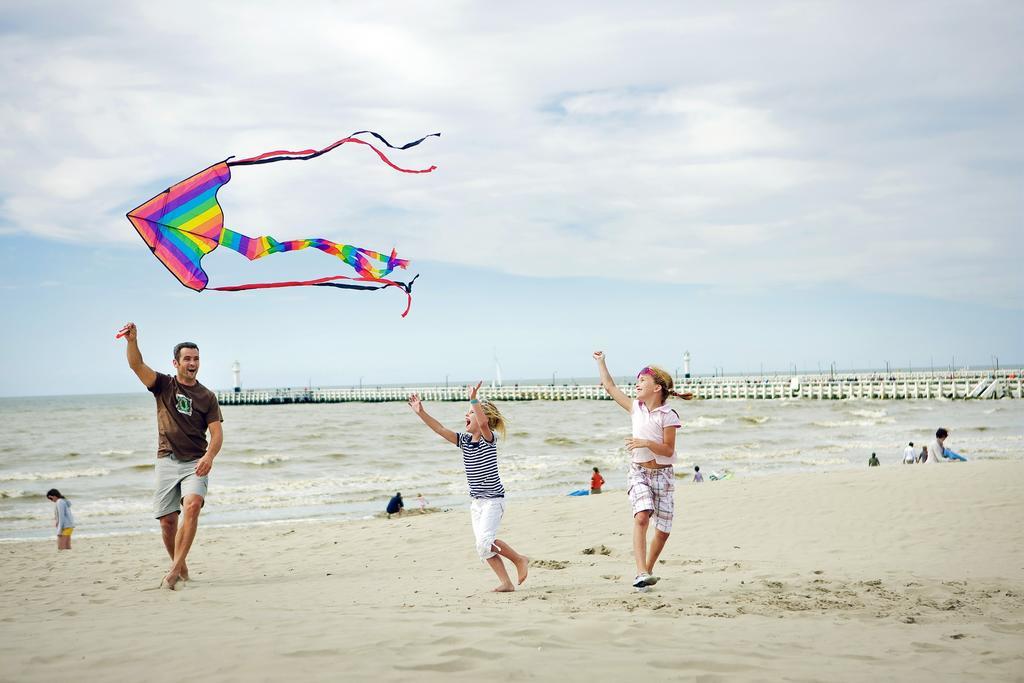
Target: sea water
x: 344, y: 460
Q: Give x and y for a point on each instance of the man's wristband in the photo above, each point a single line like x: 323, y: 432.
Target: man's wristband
x: 473, y: 401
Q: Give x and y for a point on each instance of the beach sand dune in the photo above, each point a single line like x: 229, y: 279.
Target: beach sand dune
x: 915, y: 573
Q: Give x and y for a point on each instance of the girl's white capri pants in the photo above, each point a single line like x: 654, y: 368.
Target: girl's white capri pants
x: 486, y: 514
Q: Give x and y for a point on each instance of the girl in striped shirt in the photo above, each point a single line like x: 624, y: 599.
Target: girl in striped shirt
x: 479, y: 446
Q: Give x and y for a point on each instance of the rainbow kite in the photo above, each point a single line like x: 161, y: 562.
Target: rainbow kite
x: 184, y: 223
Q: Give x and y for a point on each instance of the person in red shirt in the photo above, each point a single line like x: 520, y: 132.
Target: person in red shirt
x: 596, y: 481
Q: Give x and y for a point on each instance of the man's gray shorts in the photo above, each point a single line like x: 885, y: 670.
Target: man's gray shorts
x: 176, y: 479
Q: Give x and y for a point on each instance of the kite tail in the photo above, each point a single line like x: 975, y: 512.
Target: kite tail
x: 372, y: 284
x: 361, y: 259
x: 307, y: 154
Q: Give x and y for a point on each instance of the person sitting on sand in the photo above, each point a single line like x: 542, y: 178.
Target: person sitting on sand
x: 937, y: 451
x: 65, y: 521
x: 479, y: 446
x: 873, y: 461
x: 596, y: 481
x: 395, y: 505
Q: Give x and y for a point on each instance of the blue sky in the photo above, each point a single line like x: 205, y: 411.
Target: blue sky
x: 788, y: 184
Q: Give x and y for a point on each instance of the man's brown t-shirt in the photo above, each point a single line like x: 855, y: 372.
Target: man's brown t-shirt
x: 183, y: 414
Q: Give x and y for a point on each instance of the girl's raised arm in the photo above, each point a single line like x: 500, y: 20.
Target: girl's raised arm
x: 609, y: 384
x: 439, y: 429
x: 481, y: 418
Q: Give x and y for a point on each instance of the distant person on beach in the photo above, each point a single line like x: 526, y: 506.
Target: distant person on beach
x: 422, y: 501
x: 698, y: 478
x: 651, y: 482
x: 64, y: 520
x: 395, y: 505
x: 937, y: 451
x: 923, y: 455
x: 909, y: 454
x: 873, y: 461
x: 479, y: 446
x: 185, y: 411
x: 596, y: 481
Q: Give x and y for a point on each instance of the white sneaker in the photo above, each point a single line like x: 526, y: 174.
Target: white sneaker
x: 641, y: 581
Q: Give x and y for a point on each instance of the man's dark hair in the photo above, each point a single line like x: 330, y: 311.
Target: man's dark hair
x: 911, y: 443
x: 53, y: 492
x: 183, y: 345
x: 941, y: 433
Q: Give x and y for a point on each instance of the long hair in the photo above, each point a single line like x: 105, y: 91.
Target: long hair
x: 664, y: 380
x: 55, y: 493
x: 495, y: 420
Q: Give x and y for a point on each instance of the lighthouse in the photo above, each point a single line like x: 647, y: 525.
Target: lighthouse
x: 686, y: 364
x: 236, y: 370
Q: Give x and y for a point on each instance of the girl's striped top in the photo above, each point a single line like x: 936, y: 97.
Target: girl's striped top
x: 481, y: 462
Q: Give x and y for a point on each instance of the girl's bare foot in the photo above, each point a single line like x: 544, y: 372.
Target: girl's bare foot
x: 170, y: 581
x: 522, y: 568
x: 505, y: 588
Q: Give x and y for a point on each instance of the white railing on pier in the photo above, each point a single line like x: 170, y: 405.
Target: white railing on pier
x: 963, y: 384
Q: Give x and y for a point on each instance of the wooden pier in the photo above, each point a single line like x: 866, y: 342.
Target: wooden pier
x: 960, y: 385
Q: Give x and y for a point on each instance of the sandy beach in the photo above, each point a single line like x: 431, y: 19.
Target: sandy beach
x: 908, y: 572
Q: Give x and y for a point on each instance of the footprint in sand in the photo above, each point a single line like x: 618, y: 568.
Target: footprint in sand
x: 597, y: 550
x: 549, y: 564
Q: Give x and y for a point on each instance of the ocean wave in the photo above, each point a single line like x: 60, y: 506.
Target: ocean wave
x: 757, y: 452
x: 62, y: 474
x: 559, y: 441
x: 17, y: 493
x: 702, y: 422
x: 113, y: 507
x: 142, y: 467
x: 266, y: 460
x: 831, y: 424
x: 754, y: 419
x: 22, y: 516
x: 115, y: 451
x: 869, y: 413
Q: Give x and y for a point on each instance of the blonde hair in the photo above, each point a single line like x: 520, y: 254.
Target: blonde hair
x: 664, y: 380
x: 495, y: 420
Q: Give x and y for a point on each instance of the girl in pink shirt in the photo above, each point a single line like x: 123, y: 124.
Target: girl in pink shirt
x: 651, y: 483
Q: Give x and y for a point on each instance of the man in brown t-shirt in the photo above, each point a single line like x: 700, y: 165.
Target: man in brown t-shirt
x: 185, y: 411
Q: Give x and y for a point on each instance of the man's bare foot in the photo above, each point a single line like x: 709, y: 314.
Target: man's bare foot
x: 505, y: 588
x: 170, y: 581
x: 522, y: 568
x: 183, y: 574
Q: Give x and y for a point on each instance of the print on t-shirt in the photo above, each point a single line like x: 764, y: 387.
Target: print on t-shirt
x: 183, y: 404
